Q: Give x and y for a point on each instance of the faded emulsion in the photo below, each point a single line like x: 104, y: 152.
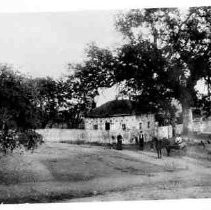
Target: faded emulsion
x: 105, y: 105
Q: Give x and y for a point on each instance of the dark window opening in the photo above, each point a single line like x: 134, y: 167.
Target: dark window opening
x: 123, y: 127
x: 140, y: 126
x: 95, y: 127
x: 107, y: 126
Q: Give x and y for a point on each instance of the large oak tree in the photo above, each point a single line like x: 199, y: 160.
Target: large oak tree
x: 183, y: 39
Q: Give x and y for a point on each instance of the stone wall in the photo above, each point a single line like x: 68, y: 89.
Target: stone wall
x: 58, y: 135
x: 146, y: 122
x: 101, y: 136
x: 164, y: 132
x: 205, y: 126
x: 179, y: 128
x: 202, y: 126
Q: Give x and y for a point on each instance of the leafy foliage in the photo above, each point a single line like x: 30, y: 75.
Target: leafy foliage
x: 141, y: 66
x: 183, y: 40
x: 17, y: 111
x: 165, y: 53
x: 29, y: 139
x: 16, y: 107
x: 48, y: 98
x: 83, y: 84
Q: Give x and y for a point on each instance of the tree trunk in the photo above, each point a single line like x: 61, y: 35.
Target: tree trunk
x: 173, y: 124
x: 4, y: 137
x: 187, y: 120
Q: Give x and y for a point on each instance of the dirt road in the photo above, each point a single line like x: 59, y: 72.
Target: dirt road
x: 59, y: 172
x: 183, y: 177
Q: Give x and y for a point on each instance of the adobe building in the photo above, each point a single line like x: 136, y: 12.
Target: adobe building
x: 121, y: 116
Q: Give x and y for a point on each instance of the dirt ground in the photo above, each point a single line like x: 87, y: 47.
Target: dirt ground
x: 61, y: 172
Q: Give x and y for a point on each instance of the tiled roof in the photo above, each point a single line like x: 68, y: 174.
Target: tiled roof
x: 114, y: 108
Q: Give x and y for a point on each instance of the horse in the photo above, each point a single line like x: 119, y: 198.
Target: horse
x: 160, y: 144
x: 166, y: 144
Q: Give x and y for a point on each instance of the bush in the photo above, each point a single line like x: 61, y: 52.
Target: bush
x: 29, y: 139
x: 8, y: 142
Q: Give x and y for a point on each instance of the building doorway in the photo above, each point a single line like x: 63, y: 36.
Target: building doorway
x: 107, y: 126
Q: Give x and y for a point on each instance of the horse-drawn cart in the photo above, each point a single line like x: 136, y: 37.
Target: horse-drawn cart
x: 169, y: 145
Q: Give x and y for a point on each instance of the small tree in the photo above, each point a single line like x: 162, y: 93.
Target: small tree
x: 17, y: 112
x: 83, y: 83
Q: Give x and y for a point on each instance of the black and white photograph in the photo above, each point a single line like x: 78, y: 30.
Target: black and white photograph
x: 105, y: 105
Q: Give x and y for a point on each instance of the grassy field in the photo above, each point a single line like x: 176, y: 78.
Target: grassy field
x: 61, y: 172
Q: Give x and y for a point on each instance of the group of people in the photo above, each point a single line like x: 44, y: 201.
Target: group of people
x: 138, y: 139
x: 118, y: 144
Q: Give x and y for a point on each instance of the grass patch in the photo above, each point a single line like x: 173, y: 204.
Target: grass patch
x: 60, y: 171
x: 14, y: 170
x: 78, y: 142
x: 68, y: 170
x: 34, y: 196
x: 196, y: 151
x: 170, y: 167
x: 83, y: 142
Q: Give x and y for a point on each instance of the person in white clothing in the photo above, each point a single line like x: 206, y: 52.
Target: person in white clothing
x: 178, y: 140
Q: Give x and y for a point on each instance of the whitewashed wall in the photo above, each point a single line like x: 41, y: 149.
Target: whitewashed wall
x: 58, y: 135
x: 202, y: 126
x: 179, y: 128
x: 102, y: 136
x: 164, y: 132
x: 198, y: 127
x: 205, y: 126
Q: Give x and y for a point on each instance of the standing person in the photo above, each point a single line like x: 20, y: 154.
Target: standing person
x: 113, y: 142
x: 119, y: 142
x: 136, y: 140
x: 141, y: 140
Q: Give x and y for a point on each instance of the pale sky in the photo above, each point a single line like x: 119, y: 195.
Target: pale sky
x: 43, y: 44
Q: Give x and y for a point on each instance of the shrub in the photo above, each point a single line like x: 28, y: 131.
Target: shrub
x: 29, y: 139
